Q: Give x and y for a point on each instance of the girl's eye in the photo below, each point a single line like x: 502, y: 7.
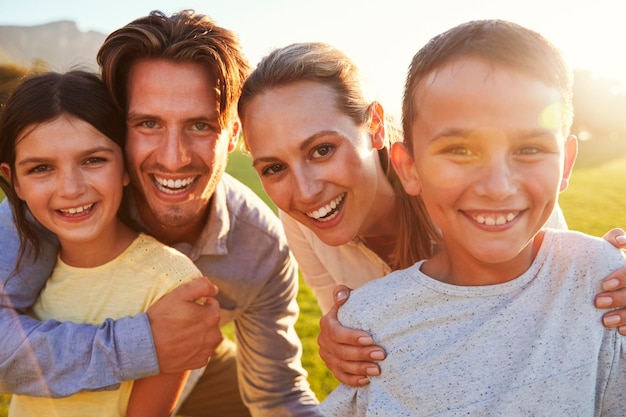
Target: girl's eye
x: 95, y: 160
x: 272, y: 169
x: 39, y: 169
x: 322, y: 151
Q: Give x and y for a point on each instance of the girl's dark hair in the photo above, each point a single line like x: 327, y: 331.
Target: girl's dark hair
x: 41, y: 98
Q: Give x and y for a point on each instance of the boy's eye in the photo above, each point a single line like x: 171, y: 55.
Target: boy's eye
x: 530, y: 150
x: 322, y: 151
x: 460, y: 150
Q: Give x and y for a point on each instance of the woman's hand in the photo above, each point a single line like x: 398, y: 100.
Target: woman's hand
x: 349, y: 353
x: 615, y: 288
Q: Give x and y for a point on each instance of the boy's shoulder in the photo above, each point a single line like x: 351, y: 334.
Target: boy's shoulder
x: 583, y: 251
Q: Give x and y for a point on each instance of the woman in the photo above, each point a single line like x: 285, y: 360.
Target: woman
x: 321, y: 151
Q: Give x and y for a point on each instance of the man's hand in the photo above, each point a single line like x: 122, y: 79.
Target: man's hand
x: 615, y: 287
x: 348, y: 353
x: 185, y: 332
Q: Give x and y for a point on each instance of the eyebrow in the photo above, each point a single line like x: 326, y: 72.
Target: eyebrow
x: 91, y: 151
x: 520, y: 134
x: 214, y: 118
x: 305, y: 144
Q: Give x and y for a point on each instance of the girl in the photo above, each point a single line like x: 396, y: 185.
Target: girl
x: 61, y: 142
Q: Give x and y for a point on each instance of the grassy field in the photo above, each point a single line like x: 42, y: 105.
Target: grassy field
x: 594, y: 203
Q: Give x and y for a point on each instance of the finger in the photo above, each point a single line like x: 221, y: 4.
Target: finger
x: 332, y: 332
x: 617, y: 237
x: 352, y: 380
x: 195, y: 289
x: 341, y: 293
x: 615, y: 318
x: 615, y: 280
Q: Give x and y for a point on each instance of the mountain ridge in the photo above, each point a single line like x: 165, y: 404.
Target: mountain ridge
x: 60, y: 45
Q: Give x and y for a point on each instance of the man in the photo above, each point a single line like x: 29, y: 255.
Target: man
x: 178, y: 79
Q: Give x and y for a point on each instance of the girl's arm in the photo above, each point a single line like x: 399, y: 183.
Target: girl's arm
x: 156, y: 396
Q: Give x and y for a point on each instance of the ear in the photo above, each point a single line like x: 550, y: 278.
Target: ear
x: 126, y: 179
x: 404, y: 165
x: 377, y: 125
x: 234, y: 135
x: 6, y: 171
x: 571, y: 151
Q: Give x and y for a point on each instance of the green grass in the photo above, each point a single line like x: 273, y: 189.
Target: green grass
x: 594, y: 203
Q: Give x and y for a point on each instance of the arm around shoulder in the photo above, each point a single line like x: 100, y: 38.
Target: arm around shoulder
x: 34, y: 360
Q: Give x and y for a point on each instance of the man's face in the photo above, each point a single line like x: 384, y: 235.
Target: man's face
x: 176, y: 150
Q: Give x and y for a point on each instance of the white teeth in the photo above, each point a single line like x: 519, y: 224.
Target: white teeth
x: 172, y: 186
x: 77, y: 210
x: 322, y: 212
x: 498, y: 220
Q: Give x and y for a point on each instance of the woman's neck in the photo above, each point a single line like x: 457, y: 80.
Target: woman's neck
x: 380, y: 233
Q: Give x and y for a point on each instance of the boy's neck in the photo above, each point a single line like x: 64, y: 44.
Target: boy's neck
x: 454, y: 269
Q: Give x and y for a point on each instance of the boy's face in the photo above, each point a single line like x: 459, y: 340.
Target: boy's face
x: 489, y: 158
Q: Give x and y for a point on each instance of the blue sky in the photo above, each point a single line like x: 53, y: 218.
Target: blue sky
x: 381, y: 36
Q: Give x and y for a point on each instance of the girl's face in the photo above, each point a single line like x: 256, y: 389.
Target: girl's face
x: 71, y: 177
x: 315, y: 163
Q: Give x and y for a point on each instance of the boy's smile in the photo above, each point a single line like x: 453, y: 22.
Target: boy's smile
x: 488, y: 165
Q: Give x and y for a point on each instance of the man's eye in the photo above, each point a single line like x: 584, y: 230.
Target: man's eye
x: 150, y: 124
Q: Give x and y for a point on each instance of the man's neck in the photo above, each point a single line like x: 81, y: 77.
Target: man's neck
x: 170, y: 235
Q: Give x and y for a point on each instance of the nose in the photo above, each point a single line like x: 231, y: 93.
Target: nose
x: 71, y: 183
x: 497, y: 179
x: 306, y: 184
x: 173, y: 151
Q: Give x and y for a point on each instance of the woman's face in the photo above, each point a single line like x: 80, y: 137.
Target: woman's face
x: 315, y: 163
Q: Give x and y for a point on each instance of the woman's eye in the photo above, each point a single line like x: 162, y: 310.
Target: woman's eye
x: 272, y: 169
x: 322, y: 151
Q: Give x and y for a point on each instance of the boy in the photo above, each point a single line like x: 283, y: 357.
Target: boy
x: 486, y: 114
